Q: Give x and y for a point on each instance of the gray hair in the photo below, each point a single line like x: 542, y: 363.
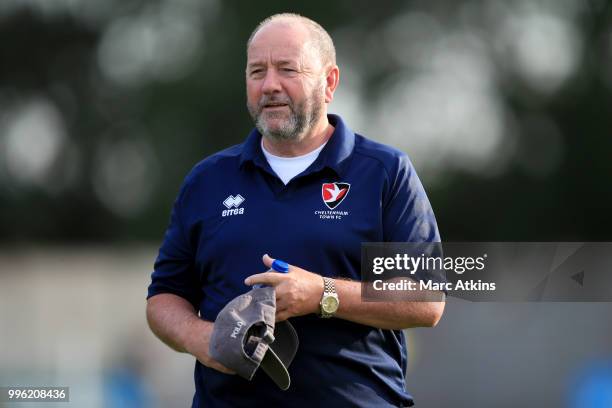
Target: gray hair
x: 320, y: 38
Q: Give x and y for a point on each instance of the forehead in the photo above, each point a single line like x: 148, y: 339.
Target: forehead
x: 280, y: 41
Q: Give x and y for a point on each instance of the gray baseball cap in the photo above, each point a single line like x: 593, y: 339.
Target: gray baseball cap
x: 246, y: 337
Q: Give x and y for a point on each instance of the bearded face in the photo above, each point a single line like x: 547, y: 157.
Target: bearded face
x: 280, y: 117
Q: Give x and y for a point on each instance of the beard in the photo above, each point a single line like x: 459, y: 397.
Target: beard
x: 290, y: 126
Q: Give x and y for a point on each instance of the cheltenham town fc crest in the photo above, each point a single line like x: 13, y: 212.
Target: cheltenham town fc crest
x: 334, y: 193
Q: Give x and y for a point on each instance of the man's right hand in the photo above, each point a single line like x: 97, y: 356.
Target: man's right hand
x: 175, y: 322
x: 198, y: 345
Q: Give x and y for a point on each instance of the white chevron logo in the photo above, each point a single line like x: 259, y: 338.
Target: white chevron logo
x: 232, y: 201
x: 335, y: 192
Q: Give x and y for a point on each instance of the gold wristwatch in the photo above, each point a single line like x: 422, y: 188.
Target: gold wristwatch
x: 329, y: 301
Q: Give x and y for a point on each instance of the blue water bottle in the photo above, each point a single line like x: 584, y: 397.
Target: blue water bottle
x: 277, y: 266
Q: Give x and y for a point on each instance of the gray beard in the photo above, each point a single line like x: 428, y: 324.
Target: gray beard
x: 300, y: 120
x: 290, y: 130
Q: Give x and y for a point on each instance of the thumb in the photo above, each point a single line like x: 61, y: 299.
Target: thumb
x: 267, y: 260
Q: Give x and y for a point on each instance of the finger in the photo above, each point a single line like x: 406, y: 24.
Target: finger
x: 267, y: 260
x: 215, y: 365
x: 280, y: 303
x: 282, y: 311
x: 266, y: 278
x: 282, y: 315
x: 223, y: 369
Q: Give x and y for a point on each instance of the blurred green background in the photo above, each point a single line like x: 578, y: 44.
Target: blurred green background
x: 504, y: 107
x: 105, y: 105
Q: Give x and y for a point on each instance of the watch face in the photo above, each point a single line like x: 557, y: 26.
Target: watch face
x: 329, y: 304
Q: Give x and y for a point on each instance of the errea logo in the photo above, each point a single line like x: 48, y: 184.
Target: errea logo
x: 233, y: 205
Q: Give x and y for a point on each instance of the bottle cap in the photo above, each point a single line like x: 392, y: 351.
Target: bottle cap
x: 280, y: 266
x: 277, y: 266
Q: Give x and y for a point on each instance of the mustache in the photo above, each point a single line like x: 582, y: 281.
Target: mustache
x: 268, y: 100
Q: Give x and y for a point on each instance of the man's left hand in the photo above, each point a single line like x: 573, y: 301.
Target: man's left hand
x: 298, y: 292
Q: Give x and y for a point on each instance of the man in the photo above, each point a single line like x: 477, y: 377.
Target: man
x: 306, y: 189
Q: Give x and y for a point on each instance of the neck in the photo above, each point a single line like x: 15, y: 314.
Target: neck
x: 316, y: 136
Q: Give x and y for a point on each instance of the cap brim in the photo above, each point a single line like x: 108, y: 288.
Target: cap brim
x: 280, y: 354
x: 276, y: 370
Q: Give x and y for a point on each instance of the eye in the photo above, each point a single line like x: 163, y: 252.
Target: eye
x: 256, y: 72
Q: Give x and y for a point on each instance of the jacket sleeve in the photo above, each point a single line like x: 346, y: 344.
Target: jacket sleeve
x: 407, y: 213
x: 174, y: 269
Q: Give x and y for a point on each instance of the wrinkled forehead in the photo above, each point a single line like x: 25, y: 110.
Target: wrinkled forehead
x: 281, y: 42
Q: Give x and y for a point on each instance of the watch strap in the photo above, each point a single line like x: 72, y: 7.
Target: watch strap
x: 328, y: 286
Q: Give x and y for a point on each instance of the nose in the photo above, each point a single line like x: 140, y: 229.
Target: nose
x: 271, y: 83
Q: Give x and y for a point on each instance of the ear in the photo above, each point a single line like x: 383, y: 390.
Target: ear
x: 332, y: 79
